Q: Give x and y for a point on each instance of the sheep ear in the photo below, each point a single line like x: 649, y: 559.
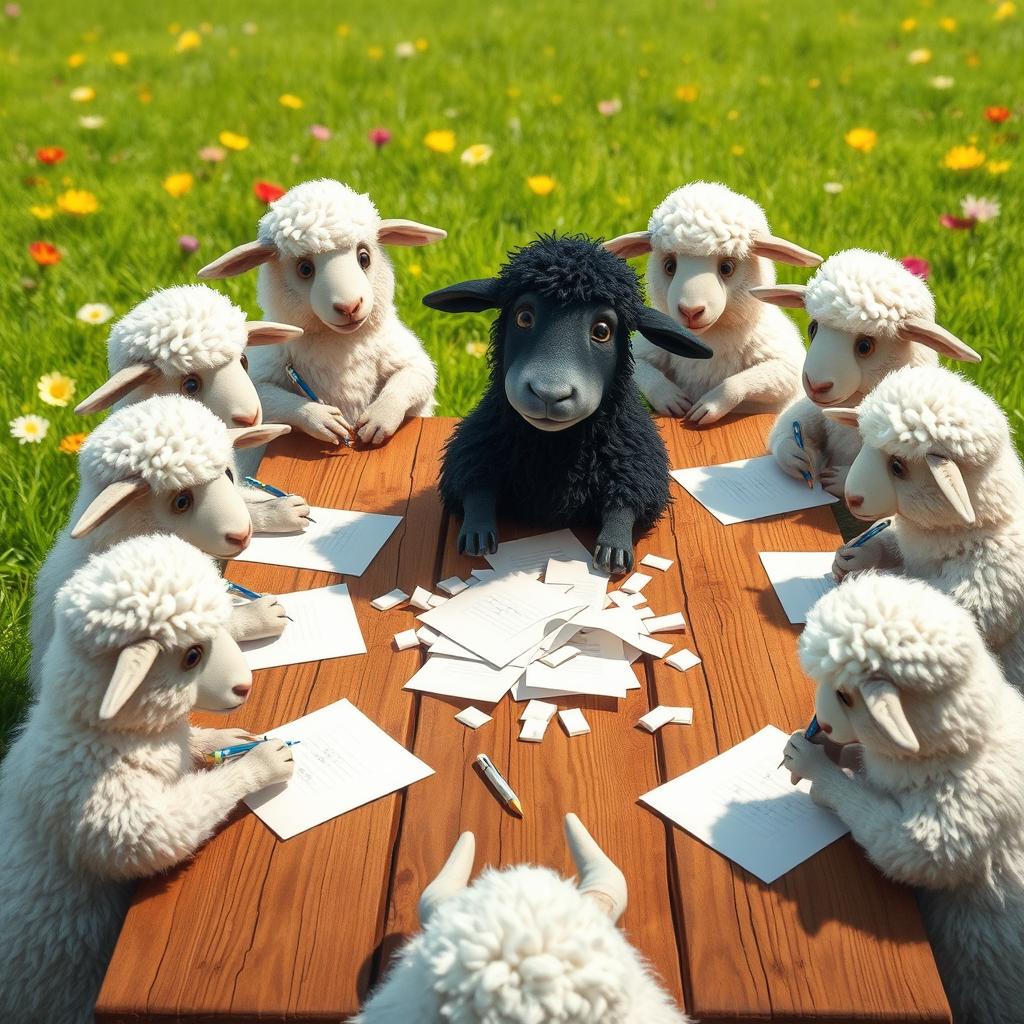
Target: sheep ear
x: 782, y: 251
x: 240, y: 259
x: 253, y: 437
x: 951, y: 482
x: 636, y: 243
x: 599, y: 877
x: 408, y: 232
x: 106, y: 503
x: 467, y: 297
x: 663, y: 331
x: 848, y: 417
x: 789, y: 295
x: 133, y: 663
x: 924, y: 332
x: 264, y: 332
x: 452, y: 878
x: 883, y: 704
x: 120, y: 384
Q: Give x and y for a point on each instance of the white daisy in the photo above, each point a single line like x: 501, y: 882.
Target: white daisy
x: 95, y: 313
x: 29, y: 429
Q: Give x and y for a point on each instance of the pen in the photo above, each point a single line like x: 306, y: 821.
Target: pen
x: 809, y: 733
x: 798, y: 436
x: 872, y: 533
x: 270, y: 489
x: 308, y: 392
x: 501, y: 787
x: 219, y: 756
x: 251, y: 594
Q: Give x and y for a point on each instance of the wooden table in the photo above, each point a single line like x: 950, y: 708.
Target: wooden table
x: 299, y: 930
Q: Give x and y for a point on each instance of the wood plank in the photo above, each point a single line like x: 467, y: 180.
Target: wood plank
x: 254, y: 927
x: 833, y: 939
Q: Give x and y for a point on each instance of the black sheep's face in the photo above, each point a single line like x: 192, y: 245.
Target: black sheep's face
x: 559, y: 360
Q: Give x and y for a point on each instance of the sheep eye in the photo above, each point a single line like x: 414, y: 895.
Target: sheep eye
x: 670, y: 265
x: 192, y: 657
x: 524, y: 319
x: 191, y: 385
x: 864, y: 346
x: 844, y: 698
x: 229, y: 475
x: 364, y: 257
x: 245, y: 361
x: 897, y: 467
x: 812, y: 329
x: 601, y: 332
x: 726, y: 267
x: 181, y: 502
x: 305, y: 269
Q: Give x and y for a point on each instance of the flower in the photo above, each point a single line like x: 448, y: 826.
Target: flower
x: 478, y: 153
x: 71, y: 444
x: 979, y: 208
x: 477, y: 349
x: 344, y: 31
x: 813, y: 83
x: 540, y: 184
x: 290, y: 100
x: 94, y: 313
x: 441, y: 140
x: 320, y: 132
x: 737, y: 150
x: 76, y: 60
x: 120, y: 58
x: 211, y: 154
x: 145, y: 94
x: 1005, y: 10
x: 414, y: 270
x: 12, y: 10
x: 405, y: 50
x: 422, y: 45
x: 375, y: 52
x: 861, y: 139
x: 179, y: 184
x: 55, y: 388
x: 918, y: 266
x: 609, y: 108
x: 50, y: 154
x: 233, y: 141
x: 947, y: 24
x: 83, y: 94
x: 379, y: 136
x: 687, y: 93
x: 833, y: 188
x: 92, y: 121
x: 29, y: 429
x: 188, y: 40
x: 942, y: 82
x: 188, y: 243
x: 997, y: 115
x: 77, y: 201
x: 42, y: 212
x: 997, y: 166
x: 908, y: 24
x: 919, y: 56
x: 250, y: 28
x: 267, y: 191
x: 46, y: 254
x: 963, y: 158
x: 948, y: 220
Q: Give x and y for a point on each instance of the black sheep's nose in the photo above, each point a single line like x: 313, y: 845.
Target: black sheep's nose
x: 550, y: 394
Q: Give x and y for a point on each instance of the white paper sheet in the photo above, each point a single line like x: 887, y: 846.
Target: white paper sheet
x: 343, y: 762
x: 531, y: 554
x: 324, y: 626
x: 588, y: 585
x: 742, y: 805
x: 600, y: 669
x: 339, y: 541
x: 800, y: 578
x: 471, y: 680
x: 737, y: 492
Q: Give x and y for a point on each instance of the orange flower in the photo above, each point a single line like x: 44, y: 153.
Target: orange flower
x: 72, y: 443
x: 267, y: 191
x: 44, y: 253
x: 997, y: 115
x: 54, y: 154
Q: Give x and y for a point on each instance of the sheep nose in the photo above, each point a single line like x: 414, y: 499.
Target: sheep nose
x: 349, y: 309
x: 819, y: 389
x: 246, y: 421
x: 691, y: 314
x: 239, y: 538
x: 551, y: 394
x: 854, y: 500
x: 825, y: 728
x: 242, y: 689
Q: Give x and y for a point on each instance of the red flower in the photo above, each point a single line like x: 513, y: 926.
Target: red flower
x: 918, y: 266
x: 44, y: 253
x: 267, y: 191
x: 997, y: 115
x: 379, y: 136
x: 947, y: 220
x: 54, y: 154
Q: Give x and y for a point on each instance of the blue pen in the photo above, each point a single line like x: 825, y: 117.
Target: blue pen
x: 270, y: 489
x: 872, y: 533
x: 798, y: 436
x: 219, y: 756
x: 251, y: 594
x: 809, y: 733
x: 308, y: 392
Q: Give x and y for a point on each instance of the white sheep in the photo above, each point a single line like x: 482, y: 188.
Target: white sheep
x: 323, y: 267
x: 101, y: 787
x: 938, y: 456
x: 161, y: 465
x: 191, y: 340
x: 522, y: 945
x: 938, y: 800
x: 709, y: 247
x: 869, y: 317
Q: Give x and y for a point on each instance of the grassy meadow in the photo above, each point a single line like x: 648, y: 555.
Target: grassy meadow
x: 860, y: 123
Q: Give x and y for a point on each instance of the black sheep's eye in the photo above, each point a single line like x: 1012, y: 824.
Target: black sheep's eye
x: 670, y: 265
x: 191, y: 385
x: 305, y: 269
x: 193, y: 656
x: 897, y: 467
x: 229, y: 475
x: 181, y: 502
x: 364, y: 257
x: 524, y: 319
x: 864, y: 346
x: 812, y: 329
x: 726, y: 268
x: 601, y: 332
x: 245, y: 361
x: 844, y: 698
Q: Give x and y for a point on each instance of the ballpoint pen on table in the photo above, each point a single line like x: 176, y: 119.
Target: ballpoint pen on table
x: 501, y: 787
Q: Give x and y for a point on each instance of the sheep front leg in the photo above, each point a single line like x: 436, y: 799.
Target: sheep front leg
x: 772, y: 381
x: 271, y: 514
x: 792, y: 459
x: 406, y: 389
x: 666, y: 397
x: 257, y: 620
x: 882, y: 552
x: 314, y: 418
x: 614, y: 549
x: 479, y: 533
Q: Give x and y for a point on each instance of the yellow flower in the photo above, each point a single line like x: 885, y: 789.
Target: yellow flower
x: 422, y: 45
x: 177, y: 185
x: 687, y: 93
x: 441, y: 140
x: 1007, y: 9
x: 947, y: 24
x: 375, y: 52
x: 55, y: 389
x: 478, y: 153
x: 188, y: 40
x: 920, y: 56
x: 344, y: 31
x: 513, y: 92
x: 477, y: 349
x: 77, y: 201
x: 541, y: 184
x: 76, y: 60
x: 83, y: 94
x: 737, y: 150
x: 997, y: 166
x: 414, y: 270
x: 174, y: 28
x: 963, y: 158
x: 120, y: 58
x: 813, y: 83
x: 861, y: 139
x: 555, y: 99
x: 549, y: 51
x: 145, y: 94
x: 72, y: 443
x: 972, y: 60
x: 624, y: 201
x: 643, y: 73
x: 42, y: 212
x: 290, y: 101
x: 233, y: 141
x: 908, y: 24
x: 206, y: 27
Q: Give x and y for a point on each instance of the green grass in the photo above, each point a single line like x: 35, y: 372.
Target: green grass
x: 521, y: 77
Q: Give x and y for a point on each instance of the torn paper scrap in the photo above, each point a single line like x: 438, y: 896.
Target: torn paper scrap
x: 683, y: 659
x: 656, y: 562
x: 573, y: 722
x: 389, y: 600
x: 472, y: 717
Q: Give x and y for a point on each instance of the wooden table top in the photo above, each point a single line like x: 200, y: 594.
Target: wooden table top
x: 300, y: 930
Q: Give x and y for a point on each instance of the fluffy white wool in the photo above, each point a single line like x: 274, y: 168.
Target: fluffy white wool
x: 922, y: 409
x: 155, y: 586
x: 319, y: 216
x: 705, y: 218
x: 856, y: 290
x: 168, y: 441
x: 181, y: 329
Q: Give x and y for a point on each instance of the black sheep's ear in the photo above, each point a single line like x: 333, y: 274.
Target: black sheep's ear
x: 663, y: 331
x: 467, y: 297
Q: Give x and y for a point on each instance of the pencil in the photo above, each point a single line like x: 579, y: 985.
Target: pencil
x: 270, y: 489
x: 251, y: 594
x: 798, y: 436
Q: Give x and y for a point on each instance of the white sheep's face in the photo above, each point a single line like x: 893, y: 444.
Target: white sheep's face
x: 210, y: 516
x: 841, y: 368
x: 696, y: 290
x: 338, y: 286
x: 226, y: 391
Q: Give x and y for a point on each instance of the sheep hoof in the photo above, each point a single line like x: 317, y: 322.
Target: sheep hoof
x: 478, y: 540
x: 613, y: 559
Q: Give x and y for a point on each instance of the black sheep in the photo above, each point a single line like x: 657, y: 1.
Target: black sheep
x: 561, y: 437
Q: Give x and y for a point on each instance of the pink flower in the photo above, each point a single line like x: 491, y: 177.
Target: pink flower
x: 320, y: 132
x: 918, y: 266
x: 12, y: 10
x: 212, y: 154
x: 947, y: 220
x: 980, y: 209
x: 609, y: 108
x: 188, y: 243
x: 379, y: 136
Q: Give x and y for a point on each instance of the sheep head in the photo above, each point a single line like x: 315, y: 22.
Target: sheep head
x: 561, y: 339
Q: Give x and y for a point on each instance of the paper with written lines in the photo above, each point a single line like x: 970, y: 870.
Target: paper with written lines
x: 800, y: 578
x: 742, y: 805
x: 323, y: 626
x: 339, y: 541
x: 343, y: 762
x: 458, y: 677
x: 531, y: 554
x: 736, y: 492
